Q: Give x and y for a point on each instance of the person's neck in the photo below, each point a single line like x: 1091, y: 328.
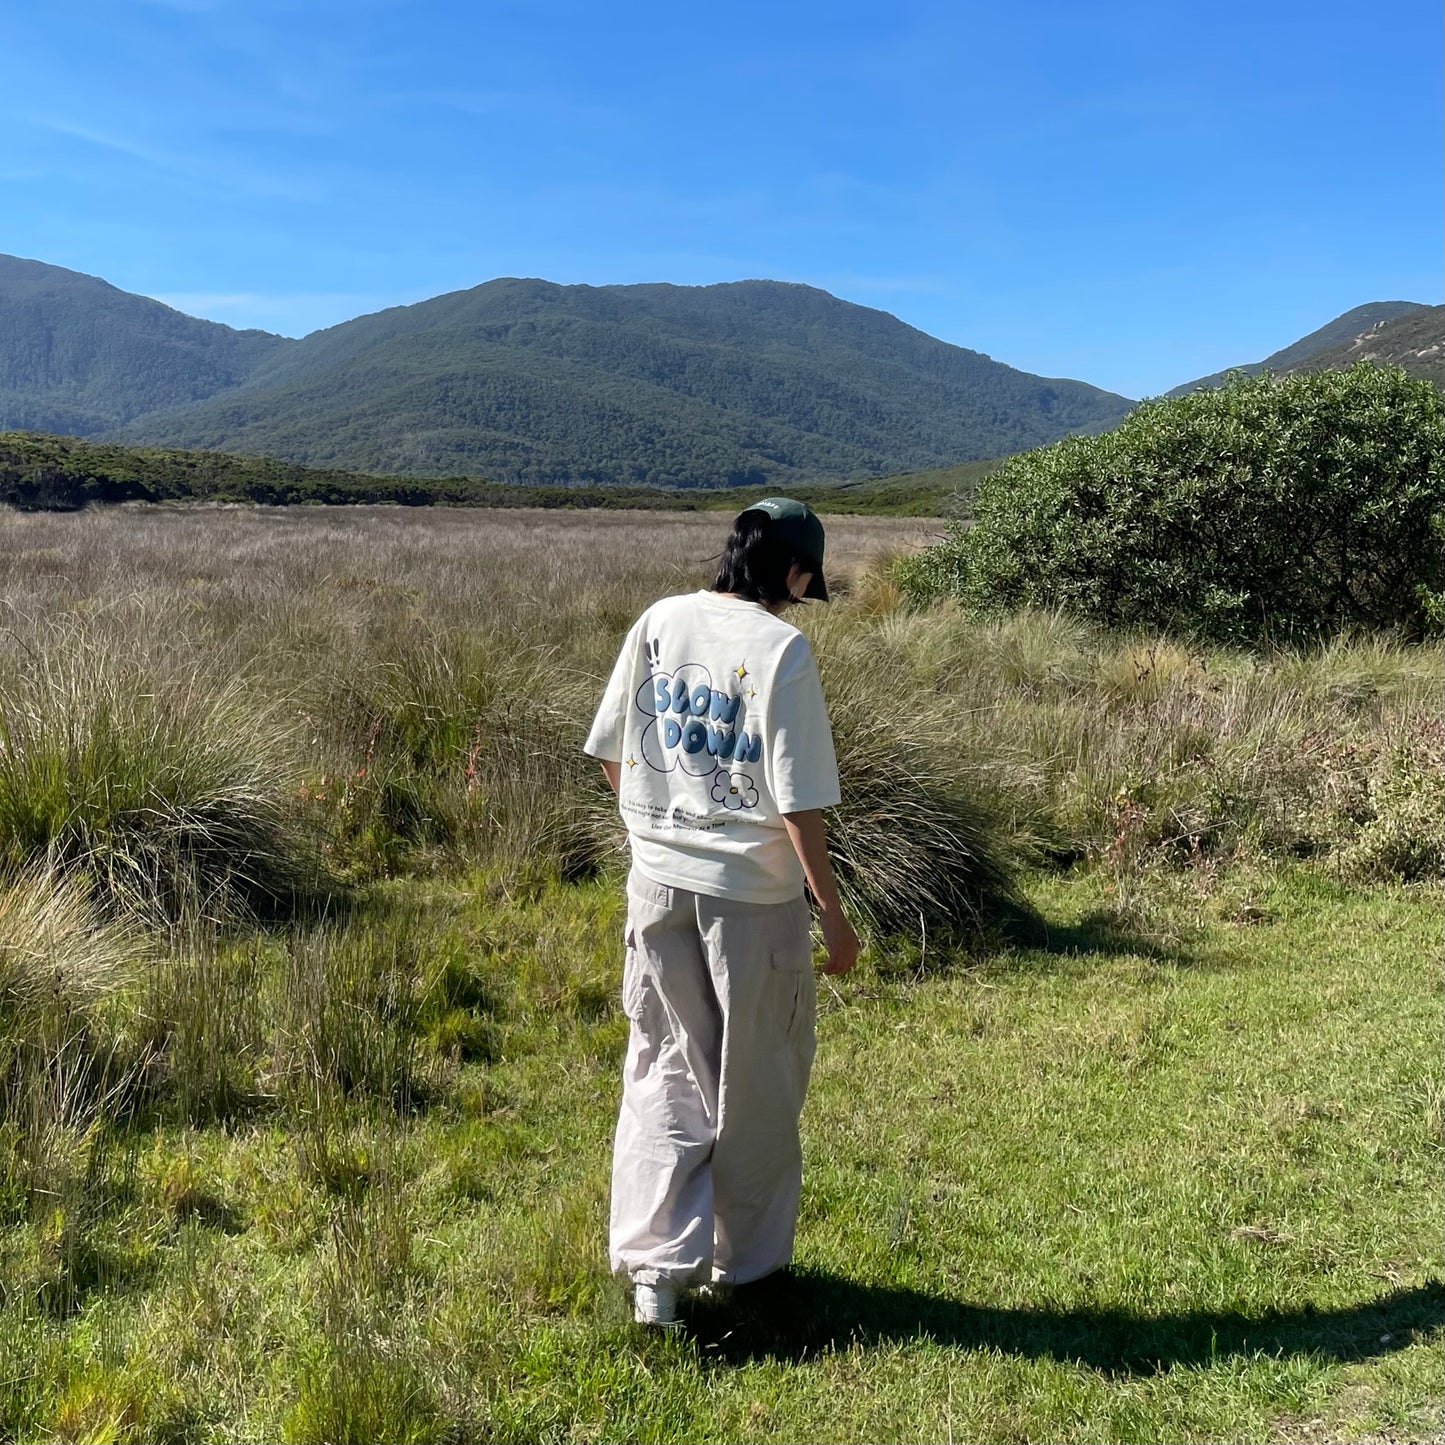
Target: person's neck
x: 774, y: 607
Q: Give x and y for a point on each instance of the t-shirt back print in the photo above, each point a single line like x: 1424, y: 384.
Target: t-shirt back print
x: 701, y: 727
x: 716, y: 714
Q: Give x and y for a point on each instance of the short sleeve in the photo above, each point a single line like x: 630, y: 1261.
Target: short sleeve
x: 802, y: 767
x: 605, y: 741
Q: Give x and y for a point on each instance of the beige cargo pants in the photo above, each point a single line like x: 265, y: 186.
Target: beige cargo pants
x: 707, y: 1168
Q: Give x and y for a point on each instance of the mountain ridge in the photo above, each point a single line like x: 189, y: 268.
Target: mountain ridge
x: 525, y: 380
x: 528, y: 380
x: 1333, y: 334
x: 1414, y: 339
x: 80, y: 355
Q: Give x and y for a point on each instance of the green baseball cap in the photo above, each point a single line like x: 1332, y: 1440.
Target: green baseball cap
x: 797, y: 524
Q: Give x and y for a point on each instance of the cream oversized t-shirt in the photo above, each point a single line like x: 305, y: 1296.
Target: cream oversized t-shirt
x: 716, y: 715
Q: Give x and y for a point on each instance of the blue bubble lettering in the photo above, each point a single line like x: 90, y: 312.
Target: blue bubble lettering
x: 671, y: 731
x: 664, y: 694
x: 750, y: 749
x: 725, y: 708
x: 694, y: 736
x: 679, y: 694
x: 701, y: 696
x: 721, y: 742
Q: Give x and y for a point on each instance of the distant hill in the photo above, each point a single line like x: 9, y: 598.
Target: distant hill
x: 77, y: 355
x: 1334, y: 334
x: 1414, y: 340
x: 527, y: 381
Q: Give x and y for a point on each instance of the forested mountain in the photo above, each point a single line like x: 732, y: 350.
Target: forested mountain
x: 523, y: 380
x: 77, y: 355
x: 1414, y: 340
x: 745, y: 383
x: 1331, y: 336
x: 527, y: 381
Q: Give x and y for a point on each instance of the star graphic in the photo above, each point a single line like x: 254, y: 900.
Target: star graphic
x: 752, y: 692
x: 632, y: 762
x: 742, y: 671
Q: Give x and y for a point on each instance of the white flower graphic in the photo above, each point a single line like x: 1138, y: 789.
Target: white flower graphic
x: 734, y: 790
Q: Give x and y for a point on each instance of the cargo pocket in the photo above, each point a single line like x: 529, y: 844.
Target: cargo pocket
x: 631, y: 976
x: 646, y: 903
x: 792, y: 960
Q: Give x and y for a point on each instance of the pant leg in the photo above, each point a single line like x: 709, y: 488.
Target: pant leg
x: 760, y: 958
x: 662, y: 1192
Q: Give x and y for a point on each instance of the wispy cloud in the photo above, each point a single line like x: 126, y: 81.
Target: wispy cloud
x: 212, y: 171
x: 109, y: 140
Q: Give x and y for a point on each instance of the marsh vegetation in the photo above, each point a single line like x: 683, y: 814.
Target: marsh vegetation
x: 1129, y: 1126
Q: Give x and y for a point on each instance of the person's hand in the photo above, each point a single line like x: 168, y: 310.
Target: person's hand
x: 841, y: 942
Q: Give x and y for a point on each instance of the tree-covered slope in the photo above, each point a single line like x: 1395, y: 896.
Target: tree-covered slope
x: 78, y: 355
x: 1414, y: 340
x: 1328, y: 338
x: 523, y: 380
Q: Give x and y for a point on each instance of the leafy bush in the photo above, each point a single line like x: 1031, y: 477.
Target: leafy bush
x: 1279, y: 509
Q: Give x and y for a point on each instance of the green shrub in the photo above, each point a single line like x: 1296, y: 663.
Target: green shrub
x: 1272, y: 508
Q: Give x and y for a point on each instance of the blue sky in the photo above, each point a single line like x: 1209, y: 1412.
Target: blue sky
x: 1131, y: 194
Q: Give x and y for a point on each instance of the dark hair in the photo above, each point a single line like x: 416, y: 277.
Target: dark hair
x: 754, y: 563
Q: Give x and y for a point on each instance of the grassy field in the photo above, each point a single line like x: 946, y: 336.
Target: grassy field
x: 309, y: 948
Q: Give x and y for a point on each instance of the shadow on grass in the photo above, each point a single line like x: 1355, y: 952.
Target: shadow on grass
x: 800, y: 1316
x: 1098, y: 932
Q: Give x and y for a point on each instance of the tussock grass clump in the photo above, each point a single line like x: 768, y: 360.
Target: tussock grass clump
x: 917, y: 849
x: 200, y: 1035
x: 65, y: 1077
x: 453, y: 752
x: 362, y: 1380
x: 536, y: 805
x: 1135, y: 749
x: 122, y: 1407
x: 58, y: 956
x: 160, y: 787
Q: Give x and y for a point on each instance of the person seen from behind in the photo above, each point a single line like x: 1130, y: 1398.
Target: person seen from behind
x: 714, y: 735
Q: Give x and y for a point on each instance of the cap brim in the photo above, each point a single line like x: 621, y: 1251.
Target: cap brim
x: 817, y: 589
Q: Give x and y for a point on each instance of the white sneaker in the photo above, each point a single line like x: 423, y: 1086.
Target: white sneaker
x: 656, y: 1304
x: 719, y: 1292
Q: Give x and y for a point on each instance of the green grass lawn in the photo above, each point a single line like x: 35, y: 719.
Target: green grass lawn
x: 1181, y: 1186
